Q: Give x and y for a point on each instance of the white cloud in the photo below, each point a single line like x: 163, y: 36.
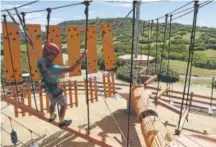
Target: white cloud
x: 125, y: 5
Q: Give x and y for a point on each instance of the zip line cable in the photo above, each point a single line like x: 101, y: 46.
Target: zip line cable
x: 29, y: 3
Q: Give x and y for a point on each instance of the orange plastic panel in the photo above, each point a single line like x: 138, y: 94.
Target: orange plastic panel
x: 14, y: 38
x: 108, y: 47
x: 55, y: 37
x: 92, y: 50
x: 36, y: 52
x: 73, y: 48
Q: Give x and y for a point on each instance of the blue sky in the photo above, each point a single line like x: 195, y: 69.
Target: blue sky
x: 104, y: 9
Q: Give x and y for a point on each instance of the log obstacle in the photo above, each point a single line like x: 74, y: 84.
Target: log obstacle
x: 154, y: 132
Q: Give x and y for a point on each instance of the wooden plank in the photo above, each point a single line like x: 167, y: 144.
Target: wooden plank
x: 143, y: 70
x: 150, y: 80
x: 171, y: 108
x: 73, y: 48
x: 92, y: 50
x: 95, y: 139
x: 113, y: 83
x: 161, y: 93
x: 108, y: 47
x: 23, y: 102
x: 55, y: 37
x: 12, y: 53
x: 36, y: 53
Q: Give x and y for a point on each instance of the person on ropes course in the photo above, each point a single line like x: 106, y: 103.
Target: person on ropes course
x: 50, y: 74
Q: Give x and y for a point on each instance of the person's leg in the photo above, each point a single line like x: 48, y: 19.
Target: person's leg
x: 52, y: 107
x: 62, y: 102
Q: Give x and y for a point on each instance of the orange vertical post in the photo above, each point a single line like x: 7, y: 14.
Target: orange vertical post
x: 36, y: 52
x: 73, y: 48
x: 91, y: 90
x: 104, y: 85
x: 70, y: 94
x: 108, y: 47
x: 12, y: 52
x: 92, y: 50
x: 96, y: 89
x: 55, y: 37
x: 29, y: 98
x: 41, y: 99
x: 75, y: 93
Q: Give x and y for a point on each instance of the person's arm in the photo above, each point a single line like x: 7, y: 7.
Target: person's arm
x: 78, y: 62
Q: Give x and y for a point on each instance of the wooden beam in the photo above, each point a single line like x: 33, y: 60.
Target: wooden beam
x: 172, y: 108
x: 150, y: 80
x: 161, y: 93
x: 145, y: 69
x: 95, y: 139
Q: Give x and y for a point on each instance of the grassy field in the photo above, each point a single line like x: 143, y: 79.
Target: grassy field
x: 209, y: 53
x: 180, y: 67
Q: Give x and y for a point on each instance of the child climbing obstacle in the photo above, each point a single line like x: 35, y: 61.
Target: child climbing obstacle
x: 50, y: 74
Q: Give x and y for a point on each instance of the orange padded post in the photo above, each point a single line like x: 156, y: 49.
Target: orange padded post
x: 29, y: 98
x: 55, y: 37
x: 70, y: 94
x: 92, y: 50
x: 108, y: 47
x: 41, y: 99
x: 73, y: 48
x: 85, y: 87
x: 14, y: 38
x: 36, y: 52
x: 75, y: 93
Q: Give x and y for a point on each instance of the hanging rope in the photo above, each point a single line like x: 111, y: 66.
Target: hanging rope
x: 29, y: 62
x: 190, y: 60
x: 149, y: 43
x: 11, y: 58
x: 162, y: 53
x: 48, y: 21
x: 131, y: 73
x: 168, y: 55
x: 86, y: 3
x: 156, y: 58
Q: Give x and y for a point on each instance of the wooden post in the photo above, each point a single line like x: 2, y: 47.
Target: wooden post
x: 41, y: 99
x: 161, y: 93
x: 22, y: 99
x: 104, y: 84
x: 47, y: 103
x: 113, y: 83
x: 70, y: 94
x: 109, y: 84
x: 15, y: 98
x: 91, y: 90
x: 96, y: 89
x: 75, y: 93
x: 29, y: 98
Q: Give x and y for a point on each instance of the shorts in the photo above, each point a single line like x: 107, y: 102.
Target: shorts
x: 60, y: 100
